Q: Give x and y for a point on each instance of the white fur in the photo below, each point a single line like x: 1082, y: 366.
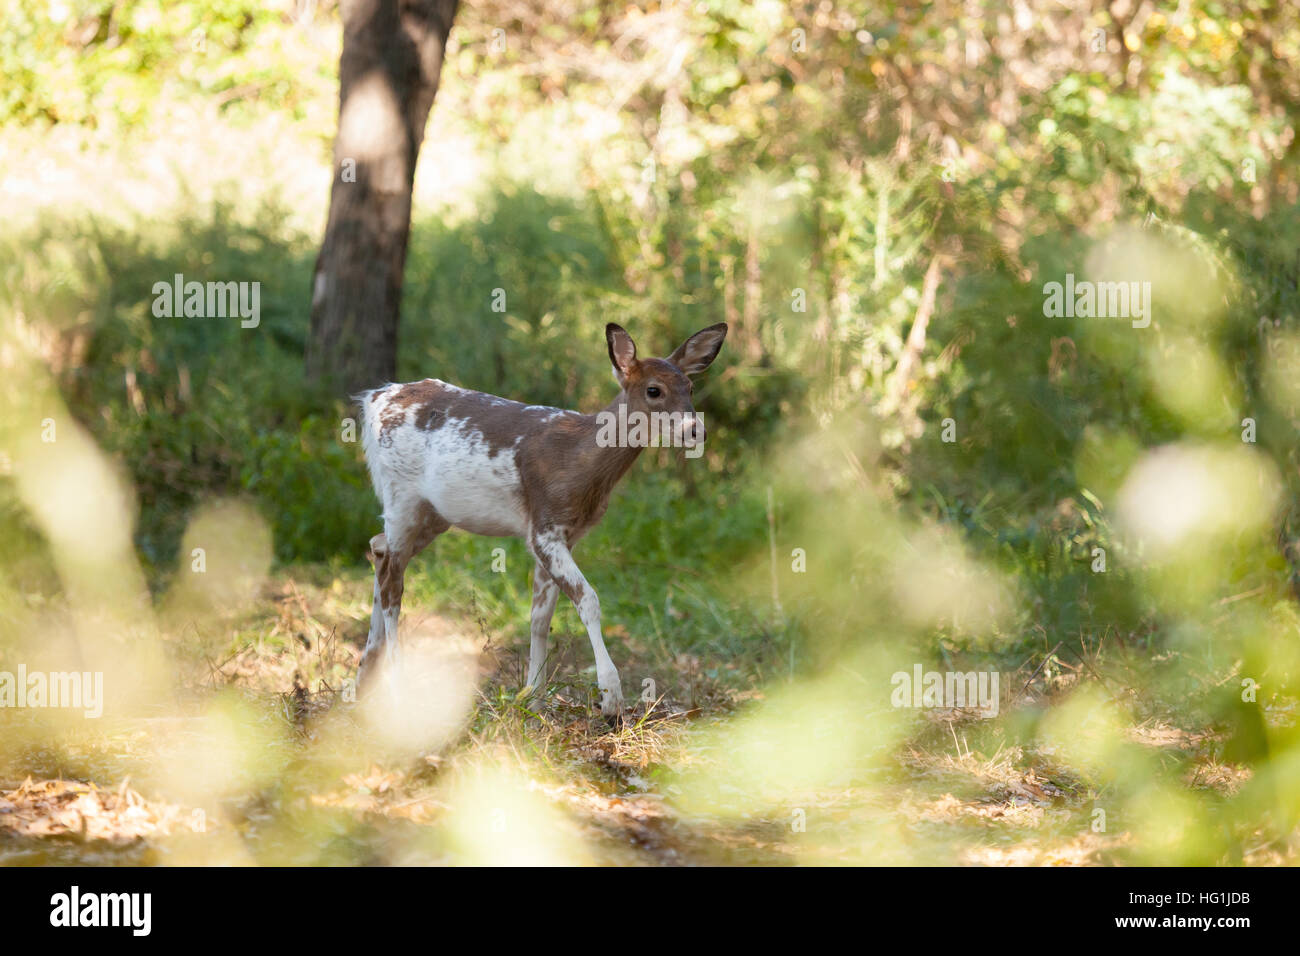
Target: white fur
x: 450, y: 466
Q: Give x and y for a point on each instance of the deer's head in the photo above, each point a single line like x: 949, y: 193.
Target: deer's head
x: 660, y: 388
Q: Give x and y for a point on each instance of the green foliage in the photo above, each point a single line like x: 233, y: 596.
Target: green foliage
x: 86, y: 62
x: 739, y: 182
x: 796, y: 171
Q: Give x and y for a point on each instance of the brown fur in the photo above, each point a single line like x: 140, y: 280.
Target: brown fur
x: 391, y: 562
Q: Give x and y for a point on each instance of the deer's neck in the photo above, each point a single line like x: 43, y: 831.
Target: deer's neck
x: 604, y: 464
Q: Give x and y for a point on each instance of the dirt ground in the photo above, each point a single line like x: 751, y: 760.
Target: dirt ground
x: 290, y: 770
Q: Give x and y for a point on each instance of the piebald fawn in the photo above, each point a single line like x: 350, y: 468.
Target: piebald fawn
x: 442, y: 457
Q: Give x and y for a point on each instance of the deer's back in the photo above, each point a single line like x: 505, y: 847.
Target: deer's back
x: 457, y: 449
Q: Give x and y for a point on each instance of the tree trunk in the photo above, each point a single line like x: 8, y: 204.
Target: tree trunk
x: 388, y: 75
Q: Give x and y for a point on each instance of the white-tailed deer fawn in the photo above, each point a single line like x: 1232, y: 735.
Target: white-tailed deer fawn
x: 443, y: 457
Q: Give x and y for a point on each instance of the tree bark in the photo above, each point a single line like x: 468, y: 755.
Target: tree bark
x: 388, y: 76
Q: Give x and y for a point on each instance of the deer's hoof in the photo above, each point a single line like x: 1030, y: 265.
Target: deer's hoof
x: 611, y: 702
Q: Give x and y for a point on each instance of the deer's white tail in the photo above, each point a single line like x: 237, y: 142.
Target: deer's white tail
x: 370, y: 438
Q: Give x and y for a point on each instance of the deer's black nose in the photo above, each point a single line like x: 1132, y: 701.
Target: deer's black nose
x: 693, y: 430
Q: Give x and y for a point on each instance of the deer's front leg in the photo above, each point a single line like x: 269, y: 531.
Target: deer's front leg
x: 552, y: 552
x: 545, y: 594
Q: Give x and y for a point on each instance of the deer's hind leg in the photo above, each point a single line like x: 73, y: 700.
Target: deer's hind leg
x: 545, y: 594
x: 408, y: 529
x: 377, y: 554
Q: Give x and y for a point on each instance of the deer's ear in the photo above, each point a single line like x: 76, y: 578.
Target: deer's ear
x: 698, y: 352
x: 622, y: 351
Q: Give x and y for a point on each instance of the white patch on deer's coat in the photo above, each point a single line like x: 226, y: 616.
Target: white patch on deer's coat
x: 452, y: 467
x: 471, y: 487
x: 551, y: 412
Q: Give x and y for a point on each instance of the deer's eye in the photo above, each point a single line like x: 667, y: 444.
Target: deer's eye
x: 653, y: 391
